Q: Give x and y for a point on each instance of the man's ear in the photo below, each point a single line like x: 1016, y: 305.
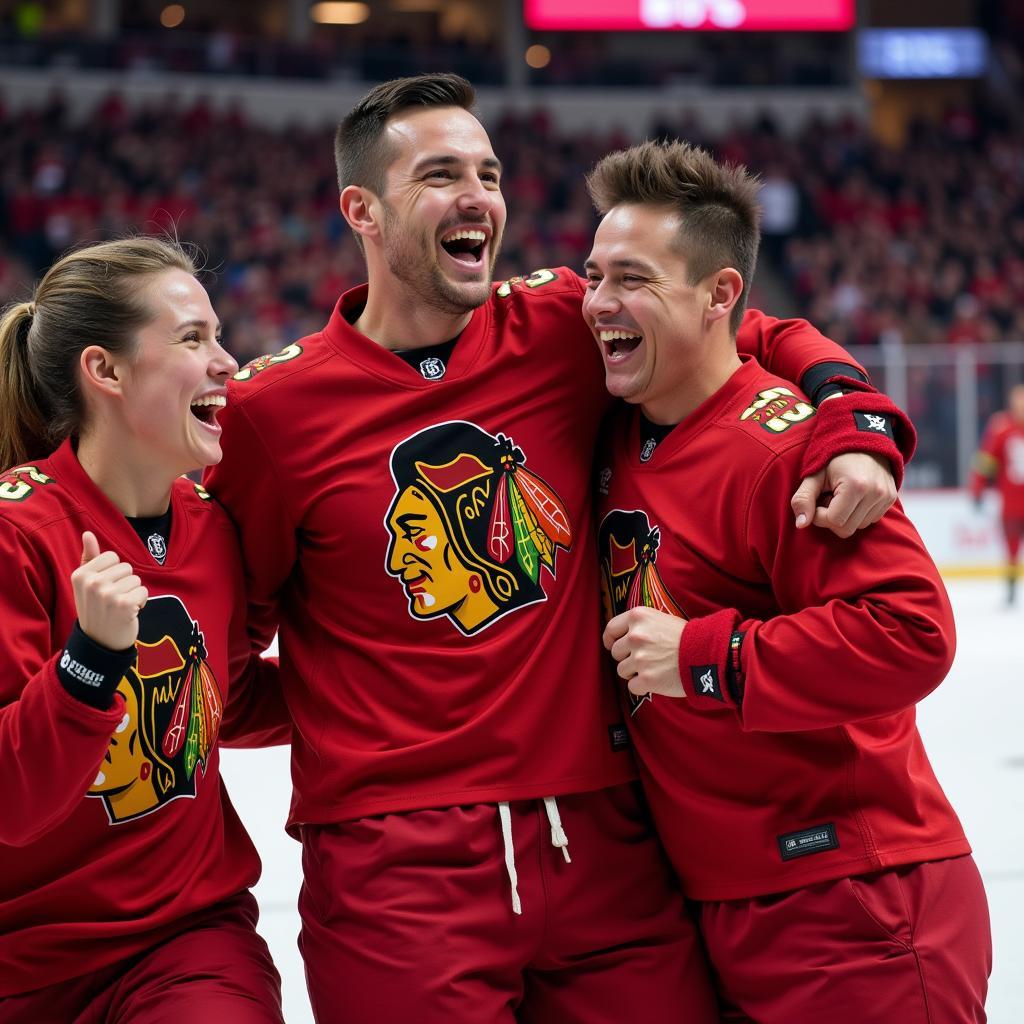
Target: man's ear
x: 361, y: 209
x: 724, y: 290
x: 101, y: 372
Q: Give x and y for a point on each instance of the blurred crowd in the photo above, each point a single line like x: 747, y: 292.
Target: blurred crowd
x: 879, y: 246
x: 918, y: 244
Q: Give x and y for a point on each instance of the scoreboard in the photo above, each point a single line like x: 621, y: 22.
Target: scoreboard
x: 701, y: 15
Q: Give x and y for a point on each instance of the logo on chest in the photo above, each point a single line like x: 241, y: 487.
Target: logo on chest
x: 173, y: 709
x: 628, y: 546
x: 471, y: 527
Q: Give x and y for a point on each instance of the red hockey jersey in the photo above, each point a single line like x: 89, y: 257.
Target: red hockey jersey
x: 115, y: 828
x: 1001, y: 459
x: 819, y: 772
x: 424, y: 540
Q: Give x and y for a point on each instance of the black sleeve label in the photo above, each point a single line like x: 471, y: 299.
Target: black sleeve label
x: 618, y: 736
x: 874, y: 423
x: 706, y: 682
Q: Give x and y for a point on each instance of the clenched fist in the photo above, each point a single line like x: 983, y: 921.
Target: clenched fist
x: 108, y: 596
x: 645, y: 643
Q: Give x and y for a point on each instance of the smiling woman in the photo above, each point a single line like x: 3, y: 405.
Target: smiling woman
x: 111, y: 378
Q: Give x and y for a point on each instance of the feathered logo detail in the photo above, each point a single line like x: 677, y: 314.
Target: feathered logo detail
x: 471, y: 527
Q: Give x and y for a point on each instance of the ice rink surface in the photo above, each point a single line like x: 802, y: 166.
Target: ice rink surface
x: 973, y: 726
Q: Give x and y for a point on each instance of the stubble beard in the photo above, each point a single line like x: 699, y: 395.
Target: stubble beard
x: 413, y: 261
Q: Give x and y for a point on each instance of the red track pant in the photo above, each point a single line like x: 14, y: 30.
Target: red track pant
x: 218, y: 972
x: 911, y: 945
x: 410, y: 917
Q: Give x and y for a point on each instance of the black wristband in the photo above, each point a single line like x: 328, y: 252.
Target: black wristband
x: 817, y: 382
x: 734, y: 677
x: 89, y: 671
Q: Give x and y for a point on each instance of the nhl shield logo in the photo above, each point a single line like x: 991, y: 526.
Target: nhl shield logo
x: 432, y: 368
x: 157, y: 547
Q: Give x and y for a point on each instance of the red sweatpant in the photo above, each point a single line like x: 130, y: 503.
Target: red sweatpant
x: 911, y: 945
x: 409, y: 917
x: 217, y: 972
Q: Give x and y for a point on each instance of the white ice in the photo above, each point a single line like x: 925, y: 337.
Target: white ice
x: 973, y: 726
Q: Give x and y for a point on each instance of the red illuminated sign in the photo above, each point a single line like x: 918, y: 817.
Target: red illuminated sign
x: 702, y: 15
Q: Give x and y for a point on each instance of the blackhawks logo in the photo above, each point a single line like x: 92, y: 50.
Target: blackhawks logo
x: 628, y: 546
x: 471, y: 528
x: 173, y: 709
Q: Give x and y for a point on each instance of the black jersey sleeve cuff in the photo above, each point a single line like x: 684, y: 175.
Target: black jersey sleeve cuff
x: 90, y: 672
x: 826, y: 379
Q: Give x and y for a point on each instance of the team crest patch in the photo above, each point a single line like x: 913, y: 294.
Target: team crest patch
x: 471, y: 527
x: 777, y: 409
x: 173, y: 709
x: 534, y: 280
x: 432, y: 368
x: 157, y: 547
x: 261, y: 363
x: 628, y: 546
x: 18, y: 483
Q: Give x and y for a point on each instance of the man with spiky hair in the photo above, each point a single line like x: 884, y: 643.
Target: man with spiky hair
x: 412, y: 485
x: 772, y: 673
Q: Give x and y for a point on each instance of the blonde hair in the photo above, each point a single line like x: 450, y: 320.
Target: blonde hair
x: 717, y: 204
x: 92, y: 296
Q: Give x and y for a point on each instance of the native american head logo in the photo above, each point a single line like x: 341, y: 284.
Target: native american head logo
x: 471, y: 528
x: 173, y: 709
x: 628, y: 547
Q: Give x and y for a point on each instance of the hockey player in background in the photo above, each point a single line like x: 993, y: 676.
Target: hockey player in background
x: 769, y: 674
x: 1000, y: 461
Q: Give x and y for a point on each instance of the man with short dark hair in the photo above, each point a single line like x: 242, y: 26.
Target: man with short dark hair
x: 420, y: 528
x: 771, y: 673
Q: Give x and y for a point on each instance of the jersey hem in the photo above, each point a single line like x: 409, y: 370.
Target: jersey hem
x: 458, y: 798
x: 753, y: 888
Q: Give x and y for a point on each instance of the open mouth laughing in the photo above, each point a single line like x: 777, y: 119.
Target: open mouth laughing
x: 618, y: 344
x: 206, y: 407
x: 467, y: 246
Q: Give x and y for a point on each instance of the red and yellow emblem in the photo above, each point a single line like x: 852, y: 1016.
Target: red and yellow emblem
x: 471, y: 528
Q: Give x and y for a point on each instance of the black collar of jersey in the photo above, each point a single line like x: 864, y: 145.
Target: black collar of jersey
x: 154, y: 532
x: 430, y: 362
x: 651, y: 435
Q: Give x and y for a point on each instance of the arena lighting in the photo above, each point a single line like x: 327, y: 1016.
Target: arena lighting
x: 538, y: 56
x: 341, y: 13
x: 172, y: 16
x: 690, y: 15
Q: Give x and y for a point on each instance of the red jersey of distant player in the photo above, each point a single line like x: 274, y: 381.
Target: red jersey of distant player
x: 819, y: 772
x: 424, y: 538
x: 114, y: 825
x: 1000, y: 460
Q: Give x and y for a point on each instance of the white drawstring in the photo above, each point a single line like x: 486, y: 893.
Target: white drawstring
x: 559, y: 840
x: 558, y: 836
x: 510, y: 854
